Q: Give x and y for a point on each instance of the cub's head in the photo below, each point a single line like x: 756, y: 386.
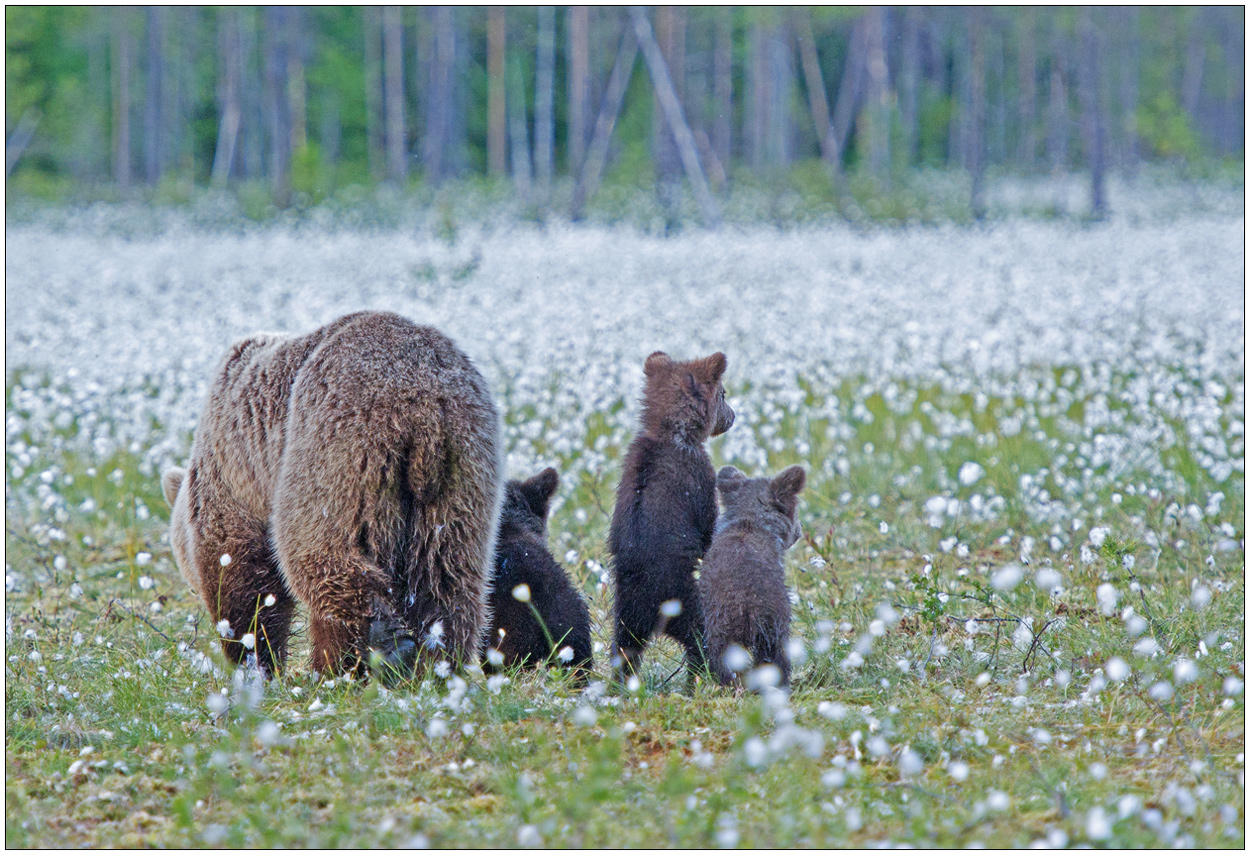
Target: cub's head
x: 525, y: 503
x: 769, y: 503
x: 685, y: 400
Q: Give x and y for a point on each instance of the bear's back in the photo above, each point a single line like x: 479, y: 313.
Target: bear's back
x: 666, y: 503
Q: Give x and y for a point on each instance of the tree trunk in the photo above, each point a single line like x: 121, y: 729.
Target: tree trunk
x: 228, y: 91
x: 877, y: 109
x: 518, y: 130
x: 663, y: 85
x: 1092, y: 122
x: 437, y: 144
x: 816, y: 97
x: 670, y: 36
x: 374, y: 138
x: 496, y: 101
x: 544, y: 98
x: 153, y: 126
x: 121, y: 98
x: 1195, y: 60
x: 297, y: 92
x: 850, y: 87
x: 609, y: 110
x: 976, y: 110
x: 909, y: 83
x: 278, y: 109
x: 1129, y: 30
x: 1057, y: 119
x: 1027, y: 105
x: 393, y: 91
x: 579, y: 85
x: 722, y: 126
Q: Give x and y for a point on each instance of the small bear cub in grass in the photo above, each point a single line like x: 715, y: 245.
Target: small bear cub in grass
x: 529, y: 586
x: 666, y: 509
x: 742, y: 586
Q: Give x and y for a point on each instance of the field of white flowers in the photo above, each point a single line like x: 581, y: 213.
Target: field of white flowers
x: 1020, y: 604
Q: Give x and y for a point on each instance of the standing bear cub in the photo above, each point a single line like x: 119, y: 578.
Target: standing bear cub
x: 666, y: 508
x: 355, y: 469
x: 547, y: 620
x: 743, y: 583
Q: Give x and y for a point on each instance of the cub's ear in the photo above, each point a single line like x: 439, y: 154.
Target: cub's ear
x: 655, y: 362
x: 539, y: 490
x: 729, y: 479
x: 171, y: 481
x: 714, y: 368
x: 785, y: 488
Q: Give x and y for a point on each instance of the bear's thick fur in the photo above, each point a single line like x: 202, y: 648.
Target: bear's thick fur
x: 522, y: 558
x: 356, y: 469
x: 742, y: 585
x: 666, y: 508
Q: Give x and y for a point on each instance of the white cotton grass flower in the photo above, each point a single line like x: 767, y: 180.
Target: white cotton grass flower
x: 1007, y: 577
x: 248, y: 640
x: 565, y: 654
x: 434, y: 636
x: 958, y: 770
x: 143, y: 559
x: 147, y: 583
x: 217, y: 703
x: 1108, y: 596
x: 1117, y: 669
x: 225, y: 560
x: 1200, y: 598
x: 527, y: 836
x: 670, y: 608
x: 970, y: 473
x: 1184, y: 671
x: 223, y: 628
x: 1097, y: 824
x: 494, y: 657
x: 585, y: 716
x: 270, y: 599
x: 1162, y: 691
x: 1047, y: 579
x: 910, y: 764
x: 436, y: 729
x: 1233, y: 686
x: 831, y: 710
x: 755, y: 752
x: 766, y: 676
x: 1098, y: 535
x: 736, y: 659
x: 521, y: 593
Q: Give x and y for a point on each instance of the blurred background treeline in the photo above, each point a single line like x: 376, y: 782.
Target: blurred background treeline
x: 288, y: 106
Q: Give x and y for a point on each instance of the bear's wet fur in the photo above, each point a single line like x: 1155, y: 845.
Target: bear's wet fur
x: 666, y: 509
x: 742, y: 585
x: 527, y: 634
x: 356, y: 469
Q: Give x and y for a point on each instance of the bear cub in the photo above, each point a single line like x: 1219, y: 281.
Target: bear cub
x: 517, y: 637
x: 742, y: 585
x: 666, y: 508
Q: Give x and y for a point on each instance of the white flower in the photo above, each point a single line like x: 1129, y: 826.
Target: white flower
x: 735, y: 658
x: 528, y: 836
x: 521, y: 593
x: 223, y: 628
x: 442, y: 669
x: 584, y: 716
x: 1007, y: 577
x: 910, y: 763
x: 494, y: 657
x: 565, y: 654
x: 225, y: 560
x: 248, y: 640
x: 436, y: 729
x: 1098, y: 535
x: 970, y: 473
x: 755, y: 752
x: 1184, y: 671
x: 1117, y: 669
x: 1097, y: 824
x: 217, y: 703
x: 668, y: 608
x: 831, y: 710
x: 143, y: 559
x: 147, y: 583
x: 270, y: 599
x: 1107, y: 598
x: 958, y: 770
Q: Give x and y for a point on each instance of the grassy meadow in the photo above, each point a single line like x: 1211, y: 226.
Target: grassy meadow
x: 1019, y: 604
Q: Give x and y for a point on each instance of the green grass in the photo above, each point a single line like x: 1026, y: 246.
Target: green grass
x: 124, y: 727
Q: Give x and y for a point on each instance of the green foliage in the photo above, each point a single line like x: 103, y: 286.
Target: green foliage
x: 1165, y: 129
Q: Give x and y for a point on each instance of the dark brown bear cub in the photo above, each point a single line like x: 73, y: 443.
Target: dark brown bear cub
x: 743, y: 585
x: 666, y: 508
x: 517, y: 635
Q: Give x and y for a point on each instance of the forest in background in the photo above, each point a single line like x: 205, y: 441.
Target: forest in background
x: 301, y: 102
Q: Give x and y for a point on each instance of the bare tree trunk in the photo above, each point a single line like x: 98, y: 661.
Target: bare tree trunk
x: 756, y: 135
x: 1027, y: 105
x: 437, y: 144
x: 1195, y: 60
x: 877, y: 110
x: 579, y: 85
x: 393, y: 91
x: 609, y: 110
x: 544, y: 98
x: 663, y: 85
x: 296, y: 85
x: 1057, y: 137
x: 153, y: 127
x: 279, y: 107
x: 518, y: 131
x: 670, y: 34
x: 976, y: 110
x: 909, y: 83
x: 496, y: 101
x: 850, y: 87
x: 816, y: 97
x: 228, y: 91
x: 1128, y: 28
x: 121, y: 98
x: 1093, y: 124
x: 373, y: 92
x: 722, y: 126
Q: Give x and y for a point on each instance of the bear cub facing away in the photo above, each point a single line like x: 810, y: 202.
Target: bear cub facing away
x: 355, y: 469
x: 742, y: 585
x: 666, y: 508
x: 517, y: 637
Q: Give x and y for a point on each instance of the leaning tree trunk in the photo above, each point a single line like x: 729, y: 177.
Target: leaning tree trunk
x: 609, y: 111
x: 670, y: 35
x: 818, y: 101
x: 579, y: 86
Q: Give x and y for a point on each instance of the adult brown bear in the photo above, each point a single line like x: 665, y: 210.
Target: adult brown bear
x: 355, y: 469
